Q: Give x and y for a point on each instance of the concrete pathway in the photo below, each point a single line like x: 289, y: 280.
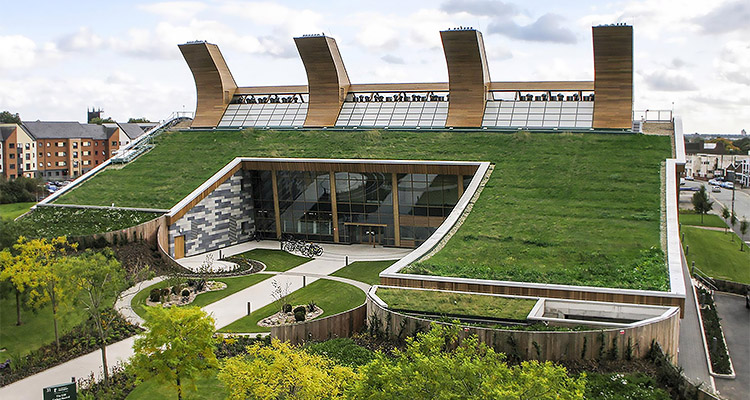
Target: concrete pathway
x: 225, y: 311
x: 735, y: 322
x: 691, y: 356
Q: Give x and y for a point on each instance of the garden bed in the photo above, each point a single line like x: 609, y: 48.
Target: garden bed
x: 67, y: 221
x: 310, y: 311
x: 456, y: 304
x: 718, y: 353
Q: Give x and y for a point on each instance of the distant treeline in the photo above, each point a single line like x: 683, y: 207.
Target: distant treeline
x: 20, y: 190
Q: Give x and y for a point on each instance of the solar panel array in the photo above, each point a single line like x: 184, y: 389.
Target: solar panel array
x: 538, y: 114
x: 262, y: 115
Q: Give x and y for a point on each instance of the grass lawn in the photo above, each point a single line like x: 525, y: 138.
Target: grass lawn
x: 62, y: 221
x: 364, y: 271
x: 13, y: 210
x: 333, y: 297
x: 275, y: 260
x: 234, y: 285
x: 476, y: 305
x: 559, y: 208
x: 37, y: 329
x: 708, y: 220
x: 208, y: 387
x: 716, y: 255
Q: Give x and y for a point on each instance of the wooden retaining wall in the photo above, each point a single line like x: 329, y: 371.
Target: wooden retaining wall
x: 339, y: 325
x: 426, y: 282
x: 544, y: 345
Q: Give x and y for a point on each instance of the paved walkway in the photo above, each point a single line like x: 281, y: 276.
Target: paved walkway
x: 225, y: 311
x: 692, y: 357
x: 735, y: 322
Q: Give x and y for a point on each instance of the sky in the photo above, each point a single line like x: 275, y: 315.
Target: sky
x: 58, y: 58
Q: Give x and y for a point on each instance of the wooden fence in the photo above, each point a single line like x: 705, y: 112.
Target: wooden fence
x: 544, y: 345
x: 339, y: 325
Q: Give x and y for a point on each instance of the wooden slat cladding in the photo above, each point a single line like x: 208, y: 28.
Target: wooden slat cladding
x: 214, y: 83
x: 468, y: 77
x: 385, y: 167
x: 613, y: 76
x: 327, y: 79
x: 619, y: 343
x: 344, y: 324
x: 427, y: 283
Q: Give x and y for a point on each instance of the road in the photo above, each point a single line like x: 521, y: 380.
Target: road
x: 722, y: 199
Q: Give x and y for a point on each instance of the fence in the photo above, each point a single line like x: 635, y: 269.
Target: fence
x: 610, y: 343
x: 339, y: 325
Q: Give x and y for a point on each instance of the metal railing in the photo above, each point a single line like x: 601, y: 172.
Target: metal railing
x: 652, y: 115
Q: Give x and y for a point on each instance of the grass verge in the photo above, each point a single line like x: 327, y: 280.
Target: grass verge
x: 718, y: 254
x: 580, y: 213
x: 234, y: 285
x: 712, y: 220
x: 333, y: 297
x: 13, y: 210
x: 474, y: 305
x: 364, y: 271
x: 275, y: 260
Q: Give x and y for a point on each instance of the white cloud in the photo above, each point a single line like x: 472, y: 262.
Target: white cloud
x: 294, y: 21
x: 82, y: 40
x: 19, y: 52
x: 669, y: 80
x: 733, y: 63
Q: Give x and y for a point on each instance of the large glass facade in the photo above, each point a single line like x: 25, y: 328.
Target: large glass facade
x: 364, y: 205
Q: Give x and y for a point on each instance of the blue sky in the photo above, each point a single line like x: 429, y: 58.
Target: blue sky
x: 58, y: 58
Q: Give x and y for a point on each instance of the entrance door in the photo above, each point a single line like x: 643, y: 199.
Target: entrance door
x: 179, y: 247
x: 366, y: 234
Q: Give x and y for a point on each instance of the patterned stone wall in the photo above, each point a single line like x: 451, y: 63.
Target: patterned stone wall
x: 224, y: 218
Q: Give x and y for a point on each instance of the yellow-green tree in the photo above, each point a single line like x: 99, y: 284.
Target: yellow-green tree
x: 178, y: 345
x: 436, y: 365
x: 38, y: 268
x: 282, y: 371
x: 96, y: 278
x: 11, y: 282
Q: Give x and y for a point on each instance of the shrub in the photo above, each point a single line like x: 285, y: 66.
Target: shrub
x: 185, y: 293
x: 299, y: 316
x: 300, y: 309
x: 342, y: 350
x: 287, y: 308
x: 154, y: 295
x: 165, y: 292
x: 191, y: 282
x: 311, y: 306
x: 177, y: 288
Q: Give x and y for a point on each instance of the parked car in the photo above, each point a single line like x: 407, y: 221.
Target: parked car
x: 716, y: 189
x: 689, y: 178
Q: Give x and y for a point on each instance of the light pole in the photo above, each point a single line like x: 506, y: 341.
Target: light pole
x: 371, y: 233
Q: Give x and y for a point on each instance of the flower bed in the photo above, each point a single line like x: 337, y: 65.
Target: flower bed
x: 81, y: 340
x: 66, y: 221
x: 717, y: 347
x: 285, y: 318
x: 181, y: 295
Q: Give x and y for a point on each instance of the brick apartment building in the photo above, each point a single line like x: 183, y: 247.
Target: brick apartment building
x: 60, y: 150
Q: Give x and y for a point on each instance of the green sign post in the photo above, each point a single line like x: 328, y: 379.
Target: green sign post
x: 65, y: 391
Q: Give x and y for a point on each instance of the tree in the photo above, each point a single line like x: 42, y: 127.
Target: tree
x: 38, y: 266
x: 733, y: 221
x: 281, y: 371
x: 7, y: 118
x: 725, y: 214
x: 138, y: 120
x: 743, y: 230
x: 437, y: 365
x: 178, y: 345
x: 99, y: 121
x: 12, y: 280
x: 95, y: 277
x: 701, y: 204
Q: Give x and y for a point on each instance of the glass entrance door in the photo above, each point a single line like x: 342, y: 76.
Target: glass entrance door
x: 365, y: 234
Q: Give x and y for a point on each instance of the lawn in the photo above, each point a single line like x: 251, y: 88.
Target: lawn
x: 234, y: 285
x: 559, y: 208
x: 716, y: 255
x: 275, y: 260
x: 364, y: 271
x: 206, y: 387
x: 13, y: 210
x: 333, y: 297
x: 695, y: 219
x: 447, y: 303
x: 37, y: 329
x: 64, y: 221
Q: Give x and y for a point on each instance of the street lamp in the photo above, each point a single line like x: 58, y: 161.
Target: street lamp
x: 372, y: 237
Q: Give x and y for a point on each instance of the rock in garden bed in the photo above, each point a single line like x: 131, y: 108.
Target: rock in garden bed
x: 286, y: 318
x: 182, y: 294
